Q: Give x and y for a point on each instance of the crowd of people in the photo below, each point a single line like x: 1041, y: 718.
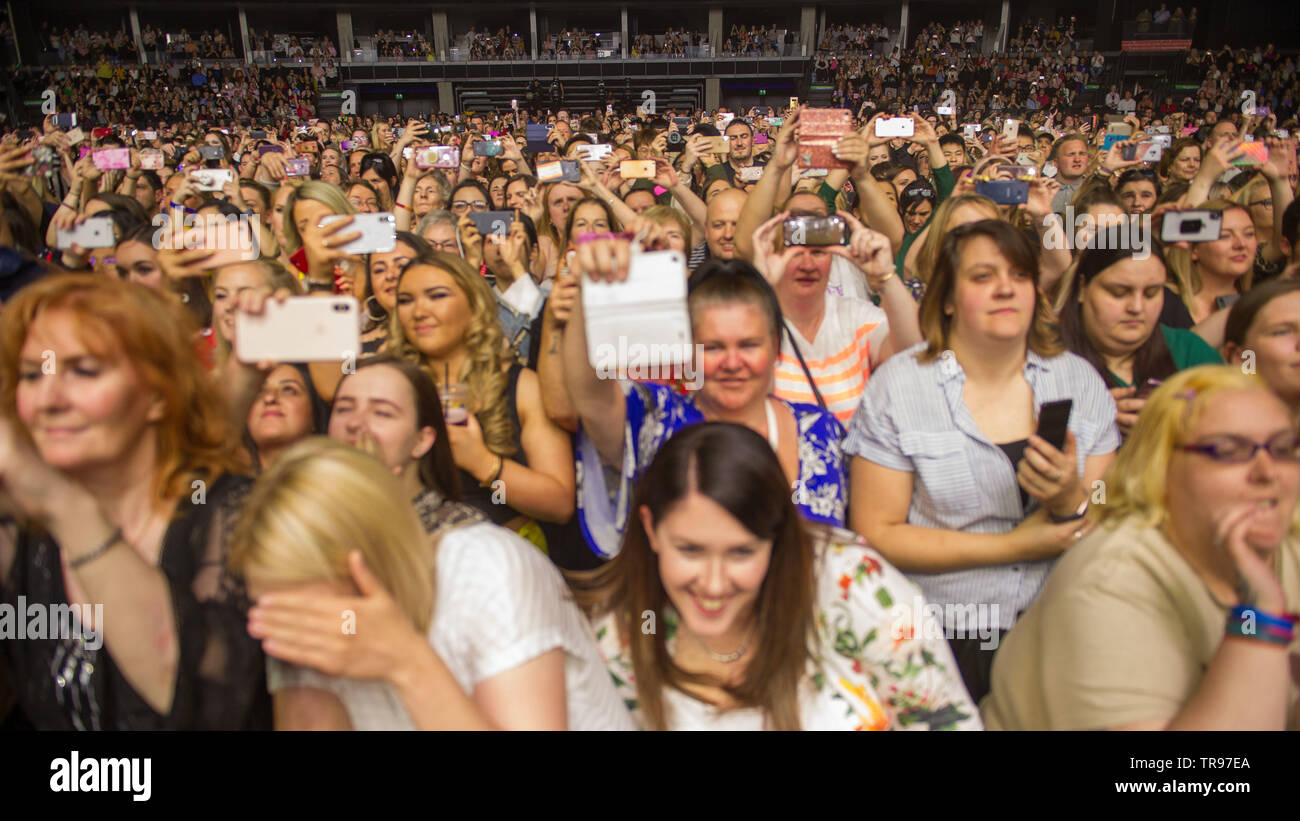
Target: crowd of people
x: 987, y: 418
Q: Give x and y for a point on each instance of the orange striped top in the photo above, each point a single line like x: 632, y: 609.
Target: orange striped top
x: 839, y: 358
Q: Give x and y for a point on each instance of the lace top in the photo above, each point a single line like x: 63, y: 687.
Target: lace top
x: 68, y: 683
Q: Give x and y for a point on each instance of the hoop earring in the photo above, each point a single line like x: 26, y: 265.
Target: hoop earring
x: 382, y: 313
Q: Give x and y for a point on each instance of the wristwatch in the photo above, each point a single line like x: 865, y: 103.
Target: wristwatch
x: 1075, y: 516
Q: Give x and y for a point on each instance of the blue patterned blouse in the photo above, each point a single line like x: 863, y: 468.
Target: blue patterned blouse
x: 655, y: 413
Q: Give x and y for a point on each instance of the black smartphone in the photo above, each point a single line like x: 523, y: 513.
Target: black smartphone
x: 492, y: 222
x: 1226, y: 301
x: 1053, y: 421
x: 1148, y: 388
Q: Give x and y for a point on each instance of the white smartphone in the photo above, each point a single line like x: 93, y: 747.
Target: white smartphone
x: 212, y: 179
x: 645, y: 313
x: 894, y: 127
x: 943, y: 110
x: 378, y: 232
x: 594, y: 153
x: 1010, y: 128
x: 300, y: 329
x: 96, y: 232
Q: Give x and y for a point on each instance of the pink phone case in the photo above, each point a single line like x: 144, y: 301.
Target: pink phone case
x: 112, y: 159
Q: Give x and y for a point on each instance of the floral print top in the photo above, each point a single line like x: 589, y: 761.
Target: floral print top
x: 879, y: 662
x: 654, y: 414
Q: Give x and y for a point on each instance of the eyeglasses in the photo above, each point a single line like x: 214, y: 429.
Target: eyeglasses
x: 1284, y: 447
x: 450, y: 246
x: 462, y: 205
x: 1262, y: 204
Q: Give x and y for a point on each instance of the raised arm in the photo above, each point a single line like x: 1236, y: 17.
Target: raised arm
x: 763, y: 197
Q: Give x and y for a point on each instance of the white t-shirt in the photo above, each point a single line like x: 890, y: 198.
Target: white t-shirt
x: 846, y: 280
x: 499, y: 603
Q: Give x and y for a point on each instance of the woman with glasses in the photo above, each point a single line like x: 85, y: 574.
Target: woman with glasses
x: 363, y: 197
x: 438, y: 229
x: 1111, y: 317
x: 951, y: 481
x: 516, y: 465
x: 1178, y: 611
x: 762, y: 620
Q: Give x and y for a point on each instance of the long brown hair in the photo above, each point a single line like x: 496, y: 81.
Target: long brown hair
x: 486, y: 369
x: 936, y: 325
x: 736, y: 468
x: 156, y: 336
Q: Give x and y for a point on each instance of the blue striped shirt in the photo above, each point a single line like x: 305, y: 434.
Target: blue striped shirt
x: 912, y: 418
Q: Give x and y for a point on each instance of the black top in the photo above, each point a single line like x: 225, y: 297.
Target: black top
x: 1175, y: 313
x: 1015, y: 451
x: 62, y: 684
x: 481, y: 497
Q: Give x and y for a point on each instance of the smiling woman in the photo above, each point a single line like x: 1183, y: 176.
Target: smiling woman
x: 726, y: 610
x: 116, y: 451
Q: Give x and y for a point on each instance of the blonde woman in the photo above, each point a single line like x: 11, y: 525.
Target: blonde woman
x: 315, y: 249
x: 1177, y: 613
x: 471, y: 631
x: 1224, y: 267
x: 1266, y: 197
x: 515, y: 463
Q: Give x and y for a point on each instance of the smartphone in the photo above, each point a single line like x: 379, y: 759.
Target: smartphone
x: 750, y: 173
x: 1121, y: 128
x: 378, y: 232
x: 1010, y: 129
x: 346, y: 145
x: 75, y: 136
x: 760, y: 139
x: 1111, y: 139
x: 148, y: 136
x: 1255, y: 153
x: 794, y: 102
x: 717, y: 145
x: 212, y: 179
x: 210, y: 152
x: 1053, y: 422
x: 895, y: 127
x: 297, y: 167
x: 492, y: 222
x: 682, y: 123
x: 256, y: 134
x: 110, y: 159
x: 300, y: 329
x: 969, y: 130
x: 65, y: 120
x: 1225, y: 301
x: 438, y: 156
x: 1153, y: 153
x: 1004, y: 192
x: 647, y: 311
x: 1191, y: 226
x: 637, y: 169
x: 151, y: 159
x: 95, y: 232
x: 1129, y: 151
x: 816, y: 231
x: 487, y: 148
x: 944, y: 110
x: 561, y: 171
x: 594, y: 153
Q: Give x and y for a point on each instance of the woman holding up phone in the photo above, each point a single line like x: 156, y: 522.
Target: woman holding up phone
x: 1111, y: 317
x: 736, y: 324
x: 950, y: 480
x: 516, y: 465
x: 1211, y: 273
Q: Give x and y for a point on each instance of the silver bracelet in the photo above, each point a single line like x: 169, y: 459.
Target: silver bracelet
x: 97, y: 552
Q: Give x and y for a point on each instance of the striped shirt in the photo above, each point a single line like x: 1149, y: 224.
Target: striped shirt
x: 913, y: 418
x: 839, y: 358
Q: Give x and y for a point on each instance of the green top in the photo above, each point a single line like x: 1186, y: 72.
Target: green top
x: 944, y: 182
x: 1187, y: 350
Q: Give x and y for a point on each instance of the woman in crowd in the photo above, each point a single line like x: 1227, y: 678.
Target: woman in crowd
x: 1181, y: 161
x: 118, y: 460
x: 766, y: 621
x: 286, y: 411
x: 736, y: 323
x: 1176, y: 613
x: 439, y: 230
x: 950, y: 481
x: 317, y: 250
x: 1263, y: 337
x: 1211, y: 274
x: 363, y: 197
x: 1138, y: 190
x: 958, y: 209
x: 381, y: 288
x: 1111, y: 317
x: 1266, y: 196
x: 473, y: 630
x: 516, y: 464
